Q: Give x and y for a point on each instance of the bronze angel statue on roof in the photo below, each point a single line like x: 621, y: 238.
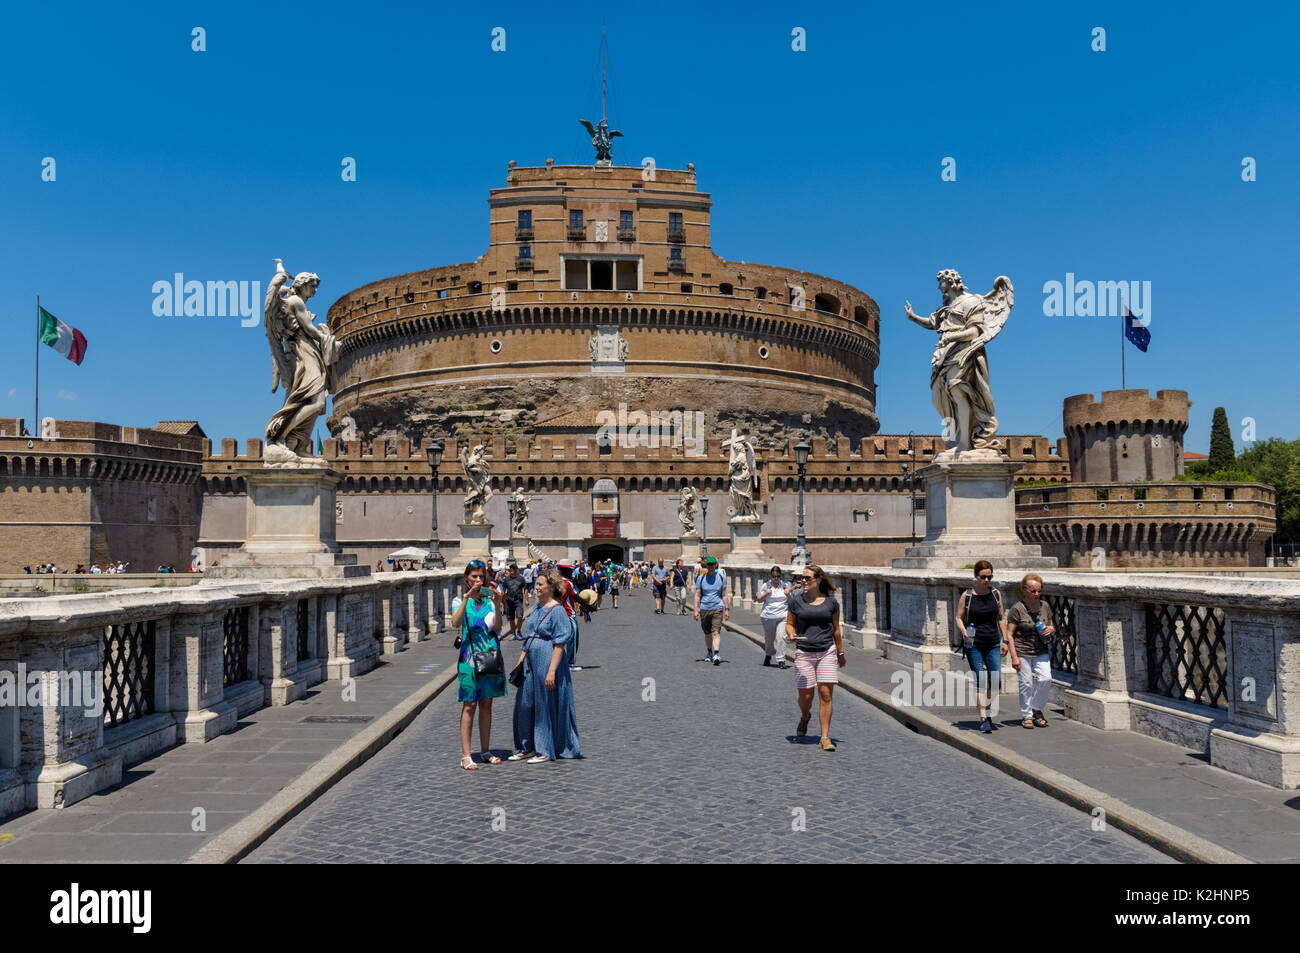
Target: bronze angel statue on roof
x: 304, y: 356
x: 601, y: 138
x: 959, y: 376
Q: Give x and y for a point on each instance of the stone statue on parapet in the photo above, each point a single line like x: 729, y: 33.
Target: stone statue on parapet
x: 686, y: 510
x: 742, y: 476
x: 304, y: 357
x: 477, y: 476
x: 518, y: 512
x: 601, y: 138
x: 959, y: 375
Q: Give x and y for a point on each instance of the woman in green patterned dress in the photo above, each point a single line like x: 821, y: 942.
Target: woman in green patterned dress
x: 477, y: 615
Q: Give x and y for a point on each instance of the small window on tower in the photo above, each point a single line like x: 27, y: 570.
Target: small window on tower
x: 525, y: 218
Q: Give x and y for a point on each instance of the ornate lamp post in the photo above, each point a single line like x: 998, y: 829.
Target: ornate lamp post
x: 434, y: 560
x: 800, y: 556
x: 704, y: 526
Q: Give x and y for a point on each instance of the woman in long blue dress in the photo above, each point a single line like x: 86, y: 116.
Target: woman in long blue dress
x: 546, y: 724
x: 477, y: 615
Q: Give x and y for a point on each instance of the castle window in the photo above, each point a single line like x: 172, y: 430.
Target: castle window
x: 1227, y: 492
x: 686, y: 288
x: 1139, y: 493
x: 675, y: 231
x: 602, y: 275
x: 725, y: 289
x: 674, y: 254
x: 512, y: 286
x: 625, y: 220
x: 476, y: 287
x: 760, y: 293
x: 1102, y: 493
x: 525, y: 251
x: 525, y: 218
x: 575, y: 218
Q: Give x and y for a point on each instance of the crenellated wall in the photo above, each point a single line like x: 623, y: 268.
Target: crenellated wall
x: 1127, y: 435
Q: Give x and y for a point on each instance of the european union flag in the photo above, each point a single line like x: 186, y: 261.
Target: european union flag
x: 1135, y: 332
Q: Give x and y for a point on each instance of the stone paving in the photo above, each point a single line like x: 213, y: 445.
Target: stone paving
x: 709, y: 770
x: 150, y: 818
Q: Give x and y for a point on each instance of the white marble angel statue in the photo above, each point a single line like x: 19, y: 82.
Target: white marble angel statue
x: 477, y: 492
x: 686, y: 510
x: 303, y: 358
x: 959, y: 376
x: 742, y: 474
x: 519, y: 512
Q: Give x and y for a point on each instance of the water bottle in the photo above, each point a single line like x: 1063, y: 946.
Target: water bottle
x: 970, y: 634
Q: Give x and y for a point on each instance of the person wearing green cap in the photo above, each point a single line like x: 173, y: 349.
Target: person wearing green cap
x: 712, y: 607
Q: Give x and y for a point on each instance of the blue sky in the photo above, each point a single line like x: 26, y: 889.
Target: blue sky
x: 1116, y: 165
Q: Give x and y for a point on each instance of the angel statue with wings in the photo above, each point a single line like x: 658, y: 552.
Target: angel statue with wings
x: 518, y: 511
x: 743, y: 476
x: 959, y: 376
x: 303, y: 357
x: 601, y: 138
x: 686, y: 511
x: 476, y: 479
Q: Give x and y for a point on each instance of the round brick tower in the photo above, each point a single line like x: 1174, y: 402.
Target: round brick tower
x: 1127, y: 436
x: 600, y: 287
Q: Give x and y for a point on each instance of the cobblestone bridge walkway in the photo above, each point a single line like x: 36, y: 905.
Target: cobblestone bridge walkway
x: 709, y: 770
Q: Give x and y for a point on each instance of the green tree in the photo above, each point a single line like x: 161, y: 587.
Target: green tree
x: 1276, y: 462
x: 1222, y: 454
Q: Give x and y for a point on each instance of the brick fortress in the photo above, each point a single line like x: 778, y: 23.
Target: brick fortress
x: 599, y: 287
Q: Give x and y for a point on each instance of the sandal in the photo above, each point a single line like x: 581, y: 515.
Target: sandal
x: 827, y: 744
x: 468, y: 764
x: 537, y: 759
x: 1039, y: 720
x: 1027, y: 723
x: 803, y: 725
x: 489, y: 758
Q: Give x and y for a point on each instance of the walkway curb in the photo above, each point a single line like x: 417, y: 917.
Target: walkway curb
x: 242, y: 838
x: 1167, y: 838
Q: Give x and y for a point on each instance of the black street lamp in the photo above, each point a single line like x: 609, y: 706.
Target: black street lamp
x: 433, y: 559
x: 800, y: 556
x: 704, y: 526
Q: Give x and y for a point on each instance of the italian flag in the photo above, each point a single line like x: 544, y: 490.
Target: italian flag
x: 64, y: 338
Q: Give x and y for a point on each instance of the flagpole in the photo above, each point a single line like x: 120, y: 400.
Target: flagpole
x: 1123, y: 381
x: 37, y: 421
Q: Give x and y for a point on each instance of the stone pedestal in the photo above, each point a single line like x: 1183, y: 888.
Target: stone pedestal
x: 475, y: 542
x: 970, y: 505
x: 289, y: 528
x: 747, y: 542
x: 519, y: 550
x: 691, y: 549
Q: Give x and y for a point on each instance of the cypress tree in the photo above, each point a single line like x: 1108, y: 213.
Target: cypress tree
x: 1222, y: 453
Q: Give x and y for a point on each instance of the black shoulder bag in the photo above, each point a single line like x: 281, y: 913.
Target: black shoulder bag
x: 490, y: 662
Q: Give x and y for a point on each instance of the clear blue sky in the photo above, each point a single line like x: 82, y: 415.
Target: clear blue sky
x: 1122, y: 165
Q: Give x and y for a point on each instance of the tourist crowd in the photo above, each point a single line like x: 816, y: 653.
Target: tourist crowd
x: 802, y: 613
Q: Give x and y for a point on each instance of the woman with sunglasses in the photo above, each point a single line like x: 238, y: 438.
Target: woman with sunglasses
x: 477, y: 615
x: 1029, y: 626
x: 813, y: 624
x: 980, y: 620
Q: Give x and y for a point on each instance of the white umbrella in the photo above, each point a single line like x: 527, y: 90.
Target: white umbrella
x: 409, y: 552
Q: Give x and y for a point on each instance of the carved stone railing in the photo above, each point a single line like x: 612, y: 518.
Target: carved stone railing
x: 90, y: 684
x: 1205, y: 662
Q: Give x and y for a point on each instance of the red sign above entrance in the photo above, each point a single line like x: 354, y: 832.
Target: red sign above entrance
x: 604, y: 527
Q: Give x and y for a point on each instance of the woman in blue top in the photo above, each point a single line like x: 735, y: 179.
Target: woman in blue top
x: 546, y: 724
x: 477, y: 616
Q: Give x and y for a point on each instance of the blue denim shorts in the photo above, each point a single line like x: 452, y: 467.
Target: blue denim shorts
x: 987, y: 665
